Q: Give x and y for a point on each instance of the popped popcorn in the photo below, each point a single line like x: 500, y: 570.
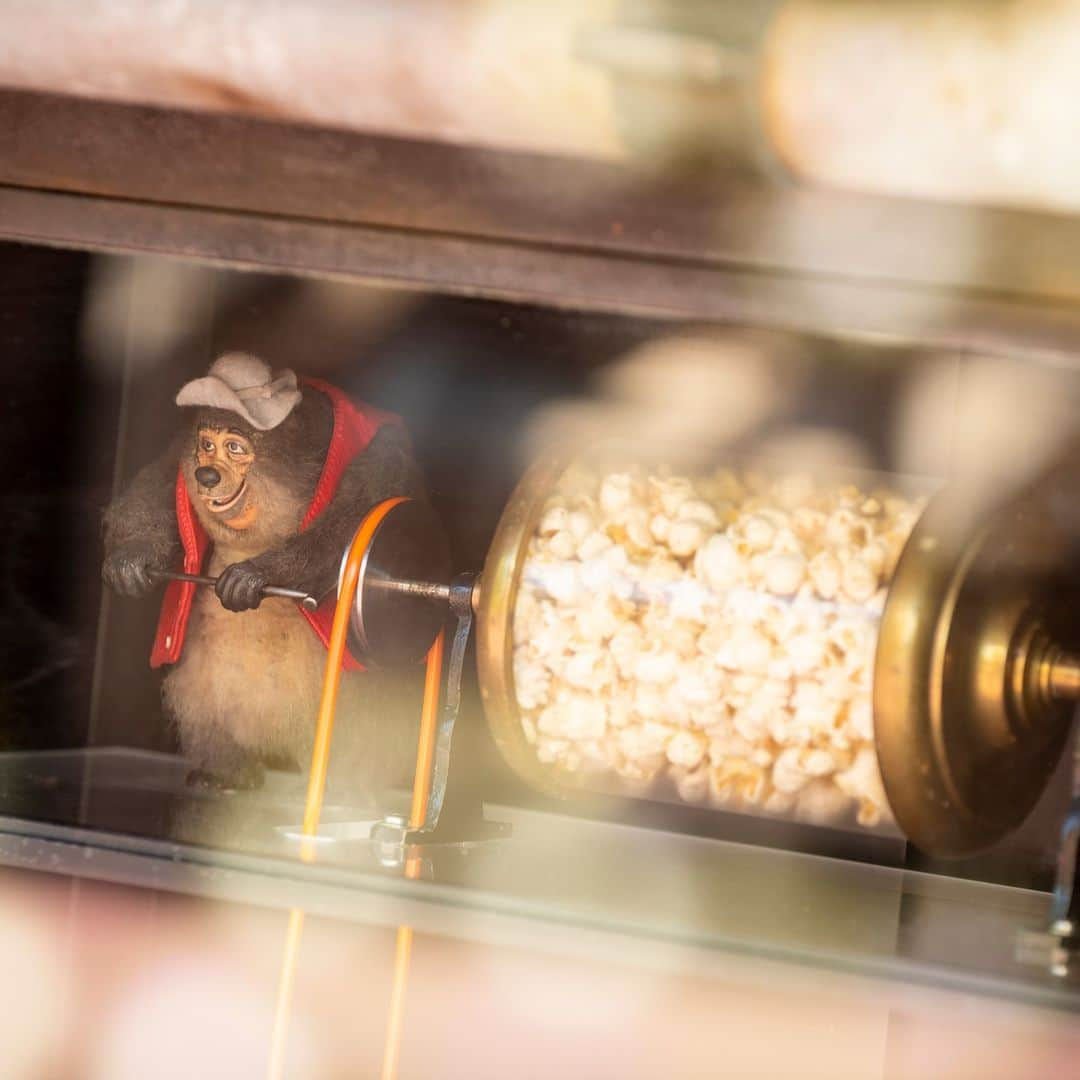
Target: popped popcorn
x: 712, y: 634
x: 692, y: 786
x: 687, y: 749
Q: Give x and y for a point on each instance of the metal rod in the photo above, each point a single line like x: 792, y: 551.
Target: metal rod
x: 320, y: 760
x: 1065, y: 678
x: 395, y: 1023
x: 426, y: 589
x: 309, y: 603
x: 418, y: 814
x: 283, y: 1010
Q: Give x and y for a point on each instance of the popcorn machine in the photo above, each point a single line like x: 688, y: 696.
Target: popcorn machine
x: 643, y: 605
x: 780, y: 645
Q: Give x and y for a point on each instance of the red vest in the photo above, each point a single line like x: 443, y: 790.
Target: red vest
x: 355, y: 426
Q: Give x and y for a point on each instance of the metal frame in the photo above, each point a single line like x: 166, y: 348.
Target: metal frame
x: 267, y: 195
x: 364, y: 894
x: 594, y: 235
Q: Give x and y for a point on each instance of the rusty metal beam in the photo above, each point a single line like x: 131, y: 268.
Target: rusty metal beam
x: 591, y: 280
x: 272, y: 169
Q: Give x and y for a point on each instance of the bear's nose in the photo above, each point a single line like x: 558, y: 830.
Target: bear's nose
x: 208, y: 476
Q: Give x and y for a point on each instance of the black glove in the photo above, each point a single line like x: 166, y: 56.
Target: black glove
x: 240, y: 586
x: 129, y: 568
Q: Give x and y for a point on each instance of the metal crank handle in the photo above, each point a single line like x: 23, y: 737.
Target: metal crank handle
x: 309, y: 603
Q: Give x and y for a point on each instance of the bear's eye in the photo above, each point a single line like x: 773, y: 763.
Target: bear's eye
x: 235, y: 448
x: 206, y: 445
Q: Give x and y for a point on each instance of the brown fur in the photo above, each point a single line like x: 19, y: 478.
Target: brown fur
x: 248, y: 683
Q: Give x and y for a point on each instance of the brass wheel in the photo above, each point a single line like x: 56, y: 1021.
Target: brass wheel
x: 972, y: 698
x: 495, y: 624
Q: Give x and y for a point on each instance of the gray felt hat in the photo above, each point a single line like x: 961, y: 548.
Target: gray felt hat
x: 244, y: 384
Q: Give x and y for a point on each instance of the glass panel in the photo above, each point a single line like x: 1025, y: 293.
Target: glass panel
x: 95, y: 350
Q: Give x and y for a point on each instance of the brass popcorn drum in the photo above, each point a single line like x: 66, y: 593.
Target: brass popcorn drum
x: 849, y: 650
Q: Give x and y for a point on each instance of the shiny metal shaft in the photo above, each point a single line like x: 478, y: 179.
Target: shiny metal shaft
x: 308, y: 602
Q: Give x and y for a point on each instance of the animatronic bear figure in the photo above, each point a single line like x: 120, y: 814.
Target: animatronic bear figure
x: 266, y: 486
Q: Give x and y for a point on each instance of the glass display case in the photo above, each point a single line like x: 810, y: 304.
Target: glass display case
x: 759, y: 502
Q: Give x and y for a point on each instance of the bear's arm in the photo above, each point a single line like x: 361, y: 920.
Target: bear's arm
x: 311, y: 561
x: 145, y: 513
